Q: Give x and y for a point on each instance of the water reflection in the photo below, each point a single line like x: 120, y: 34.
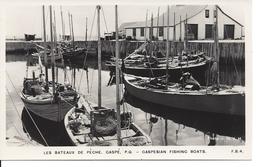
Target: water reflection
x: 164, y: 125
x: 41, y: 129
x: 209, y: 123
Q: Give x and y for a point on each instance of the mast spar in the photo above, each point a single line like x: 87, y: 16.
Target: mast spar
x: 167, y: 45
x: 119, y: 141
x: 45, y: 54
x: 99, y: 56
x: 62, y: 24
x: 52, y: 53
x: 216, y: 44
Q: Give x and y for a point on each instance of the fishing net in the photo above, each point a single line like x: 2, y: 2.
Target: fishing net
x: 135, y: 141
x: 103, y: 123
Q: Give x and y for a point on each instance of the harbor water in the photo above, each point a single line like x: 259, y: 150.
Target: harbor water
x: 165, y: 126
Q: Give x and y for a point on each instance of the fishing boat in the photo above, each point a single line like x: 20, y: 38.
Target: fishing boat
x: 176, y: 68
x: 88, y: 124
x: 190, y: 96
x: 149, y: 61
x: 65, y: 51
x: 49, y: 100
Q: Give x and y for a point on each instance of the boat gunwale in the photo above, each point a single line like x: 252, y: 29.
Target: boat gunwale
x: 183, y: 92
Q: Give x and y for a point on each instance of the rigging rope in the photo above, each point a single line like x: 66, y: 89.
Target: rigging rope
x: 107, y: 31
x: 26, y: 131
x: 88, y: 46
x: 28, y: 111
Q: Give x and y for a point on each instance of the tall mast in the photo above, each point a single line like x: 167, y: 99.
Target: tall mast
x: 216, y: 42
x: 157, y: 30
x: 185, y: 34
x: 174, y: 28
x: 45, y: 46
x: 54, y: 29
x: 72, y: 31
x: 145, y: 31
x: 55, y: 42
x: 52, y: 54
x: 86, y: 35
x: 62, y: 23
x: 180, y: 29
x: 163, y: 24
x: 167, y: 45
x: 151, y: 28
x: 99, y: 56
x: 119, y: 142
x: 69, y: 24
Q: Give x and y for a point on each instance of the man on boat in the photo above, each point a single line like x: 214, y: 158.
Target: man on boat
x: 188, y: 82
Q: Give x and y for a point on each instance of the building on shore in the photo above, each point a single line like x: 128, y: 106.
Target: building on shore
x: 198, y: 20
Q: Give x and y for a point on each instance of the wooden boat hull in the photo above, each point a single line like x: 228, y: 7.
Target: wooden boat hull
x: 112, y: 140
x: 197, y: 71
x: 232, y: 104
x: 48, y: 109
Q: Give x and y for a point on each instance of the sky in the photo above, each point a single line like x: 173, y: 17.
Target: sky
x: 20, y: 19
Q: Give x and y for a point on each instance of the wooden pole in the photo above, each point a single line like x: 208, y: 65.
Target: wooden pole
x: 145, y: 31
x: 163, y: 25
x: 174, y: 28
x: 180, y: 29
x: 72, y: 31
x: 55, y: 42
x: 119, y: 141
x: 157, y: 30
x: 69, y: 24
x: 151, y: 28
x: 216, y: 43
x: 62, y: 24
x: 86, y: 35
x: 52, y: 53
x: 167, y: 45
x: 185, y: 34
x: 54, y: 29
x: 99, y: 56
x: 45, y: 48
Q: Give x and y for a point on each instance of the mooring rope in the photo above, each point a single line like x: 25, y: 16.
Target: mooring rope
x: 28, y: 111
x: 26, y: 131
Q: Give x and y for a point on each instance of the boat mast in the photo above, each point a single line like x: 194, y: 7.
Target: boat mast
x: 99, y: 56
x: 151, y: 28
x: 52, y: 54
x: 62, y: 24
x: 145, y: 32
x: 72, y: 31
x: 157, y: 30
x: 180, y: 30
x: 56, y: 42
x: 216, y: 42
x: 45, y: 54
x: 54, y: 29
x: 174, y: 28
x: 119, y: 141
x: 185, y: 34
x: 185, y: 38
x: 86, y: 35
x: 167, y: 45
x: 69, y: 25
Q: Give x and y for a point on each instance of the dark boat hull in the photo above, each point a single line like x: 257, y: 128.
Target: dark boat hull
x: 231, y: 104
x: 197, y: 71
x: 51, y: 111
